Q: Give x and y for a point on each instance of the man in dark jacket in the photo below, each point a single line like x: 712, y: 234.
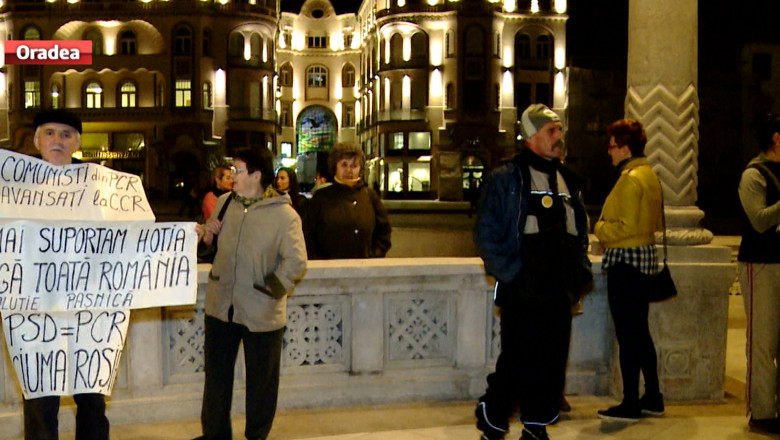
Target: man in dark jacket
x: 531, y: 233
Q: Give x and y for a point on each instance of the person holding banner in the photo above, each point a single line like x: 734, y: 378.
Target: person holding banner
x: 57, y: 136
x: 261, y: 253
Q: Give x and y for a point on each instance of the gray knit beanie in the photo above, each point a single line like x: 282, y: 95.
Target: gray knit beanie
x: 534, y: 118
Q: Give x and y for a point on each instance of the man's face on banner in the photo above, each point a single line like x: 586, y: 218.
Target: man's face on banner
x: 57, y: 142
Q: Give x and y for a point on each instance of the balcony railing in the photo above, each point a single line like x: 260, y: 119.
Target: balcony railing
x: 401, y: 115
x: 255, y: 113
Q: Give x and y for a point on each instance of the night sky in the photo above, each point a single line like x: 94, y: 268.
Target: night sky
x: 341, y: 6
x: 599, y: 28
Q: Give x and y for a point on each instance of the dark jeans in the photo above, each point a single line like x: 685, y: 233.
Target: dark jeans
x: 531, y: 369
x: 627, y: 294
x: 262, y: 355
x: 40, y: 417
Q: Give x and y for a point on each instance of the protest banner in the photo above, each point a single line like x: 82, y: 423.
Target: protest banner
x: 31, y: 188
x: 79, y: 249
x: 59, y: 354
x: 54, y: 266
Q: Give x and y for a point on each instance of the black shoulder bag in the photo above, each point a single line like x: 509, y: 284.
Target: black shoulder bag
x: 207, y: 252
x: 662, y: 285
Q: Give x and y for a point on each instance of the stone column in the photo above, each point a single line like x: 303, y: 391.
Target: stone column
x: 662, y: 93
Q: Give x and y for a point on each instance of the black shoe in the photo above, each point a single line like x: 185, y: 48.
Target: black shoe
x: 767, y: 425
x: 535, y: 434
x: 489, y: 430
x: 652, y: 404
x: 621, y: 413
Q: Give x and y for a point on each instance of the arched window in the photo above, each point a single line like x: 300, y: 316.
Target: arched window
x: 127, y: 43
x: 236, y: 45
x: 419, y: 48
x: 317, y: 76
x: 55, y: 95
x: 31, y: 33
x: 396, y: 49
x: 523, y: 47
x: 207, y: 103
x: 286, y: 75
x: 449, y: 42
x: 128, y: 94
x: 182, y: 41
x: 96, y: 38
x: 543, y: 47
x: 256, y: 46
x: 348, y: 76
x: 419, y: 98
x: 93, y: 95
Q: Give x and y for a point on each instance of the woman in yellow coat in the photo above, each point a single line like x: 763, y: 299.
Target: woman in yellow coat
x: 629, y: 219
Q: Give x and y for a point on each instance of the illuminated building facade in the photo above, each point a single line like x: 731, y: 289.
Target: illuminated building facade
x: 430, y: 89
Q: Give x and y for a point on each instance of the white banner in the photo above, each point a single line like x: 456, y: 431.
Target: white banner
x: 59, y: 354
x: 32, y: 188
x: 78, y: 249
x: 51, y: 266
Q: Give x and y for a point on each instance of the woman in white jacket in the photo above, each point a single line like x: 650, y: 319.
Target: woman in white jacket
x: 261, y: 253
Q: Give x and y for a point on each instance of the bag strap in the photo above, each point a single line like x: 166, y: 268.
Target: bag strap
x: 224, y: 208
x: 761, y: 167
x: 663, y: 221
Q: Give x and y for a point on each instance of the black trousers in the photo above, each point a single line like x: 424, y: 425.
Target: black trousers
x: 531, y: 369
x: 626, y: 290
x: 41, y: 423
x: 262, y: 355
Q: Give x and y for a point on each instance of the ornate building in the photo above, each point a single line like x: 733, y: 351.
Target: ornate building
x: 430, y: 89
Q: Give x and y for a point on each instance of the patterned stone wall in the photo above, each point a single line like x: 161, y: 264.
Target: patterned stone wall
x: 397, y: 329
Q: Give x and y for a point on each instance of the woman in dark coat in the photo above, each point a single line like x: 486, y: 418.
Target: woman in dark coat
x: 346, y: 219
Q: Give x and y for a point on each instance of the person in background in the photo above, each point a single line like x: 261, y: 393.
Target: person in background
x: 57, y: 137
x: 261, y: 254
x: 532, y: 234
x: 630, y: 217
x: 346, y: 219
x: 221, y: 182
x: 323, y: 177
x: 759, y: 276
x: 286, y: 182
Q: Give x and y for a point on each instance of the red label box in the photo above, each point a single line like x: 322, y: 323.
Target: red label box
x: 68, y: 52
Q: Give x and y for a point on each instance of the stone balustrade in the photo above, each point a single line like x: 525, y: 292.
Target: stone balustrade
x: 404, y: 329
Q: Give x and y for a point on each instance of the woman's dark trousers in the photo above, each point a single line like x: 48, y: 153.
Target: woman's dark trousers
x: 262, y: 354
x: 628, y: 304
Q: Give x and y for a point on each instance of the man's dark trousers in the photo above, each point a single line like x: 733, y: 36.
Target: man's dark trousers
x: 531, y: 369
x: 41, y: 423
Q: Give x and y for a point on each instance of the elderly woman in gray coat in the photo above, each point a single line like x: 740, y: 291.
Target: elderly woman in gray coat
x: 261, y: 253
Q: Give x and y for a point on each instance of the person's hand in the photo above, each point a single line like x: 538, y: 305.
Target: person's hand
x: 210, y: 229
x: 199, y: 231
